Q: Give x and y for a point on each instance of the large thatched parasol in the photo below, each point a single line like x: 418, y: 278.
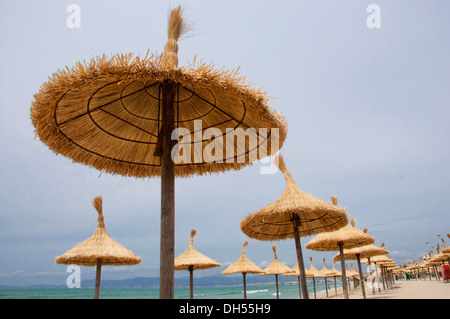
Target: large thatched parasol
x: 192, y: 260
x: 99, y: 249
x: 347, y: 236
x: 244, y: 266
x: 124, y: 115
x: 293, y: 215
x: 276, y: 268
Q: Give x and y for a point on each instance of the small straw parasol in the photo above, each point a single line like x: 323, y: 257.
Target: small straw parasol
x: 313, y: 273
x: 295, y: 271
x: 361, y: 252
x: 276, y: 268
x: 378, y: 260
x: 352, y: 273
x: 243, y: 265
x: 192, y: 260
x: 293, y: 215
x: 337, y: 273
x: 123, y: 115
x: 347, y: 236
x: 99, y: 249
x: 325, y: 273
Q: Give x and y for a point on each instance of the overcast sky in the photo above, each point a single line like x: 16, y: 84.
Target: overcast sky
x: 368, y: 121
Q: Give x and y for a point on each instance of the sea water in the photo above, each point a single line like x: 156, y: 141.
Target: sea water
x: 224, y: 292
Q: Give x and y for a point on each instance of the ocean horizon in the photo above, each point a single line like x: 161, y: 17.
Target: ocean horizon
x: 254, y: 291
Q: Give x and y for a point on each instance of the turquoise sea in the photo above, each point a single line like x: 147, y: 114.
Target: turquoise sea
x: 290, y: 291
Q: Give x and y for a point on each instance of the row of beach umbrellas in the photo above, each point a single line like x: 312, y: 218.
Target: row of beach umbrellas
x: 101, y: 249
x: 118, y: 115
x: 430, y: 263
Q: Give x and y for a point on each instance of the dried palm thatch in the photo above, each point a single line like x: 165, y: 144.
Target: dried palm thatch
x: 325, y: 273
x: 119, y: 115
x: 243, y: 265
x: 293, y: 215
x: 347, y: 236
x: 107, y: 113
x: 445, y: 250
x: 99, y: 249
x: 192, y: 260
x: 313, y: 273
x: 353, y: 273
x: 276, y: 268
x: 337, y: 273
x: 367, y: 251
x: 275, y: 221
x: 295, y: 271
x: 100, y: 246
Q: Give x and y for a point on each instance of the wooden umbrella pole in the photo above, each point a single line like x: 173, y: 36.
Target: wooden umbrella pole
x: 301, y: 266
x: 299, y: 287
x: 245, y: 286
x: 98, y: 273
x: 191, y: 281
x: 361, y: 275
x: 166, y: 281
x: 276, y: 281
x: 335, y: 288
x: 377, y: 276
x: 314, y: 285
x: 344, y: 276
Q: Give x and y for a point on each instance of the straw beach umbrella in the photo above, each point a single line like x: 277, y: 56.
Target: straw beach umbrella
x: 243, y: 265
x: 192, y: 260
x: 313, y: 273
x: 276, y: 268
x: 293, y: 215
x: 295, y: 271
x: 347, y: 236
x: 99, y: 249
x: 352, y: 273
x: 325, y: 273
x: 337, y: 273
x: 124, y: 115
x: 359, y: 253
x: 377, y: 261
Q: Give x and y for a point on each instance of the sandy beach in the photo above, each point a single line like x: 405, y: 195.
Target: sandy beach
x: 402, y: 289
